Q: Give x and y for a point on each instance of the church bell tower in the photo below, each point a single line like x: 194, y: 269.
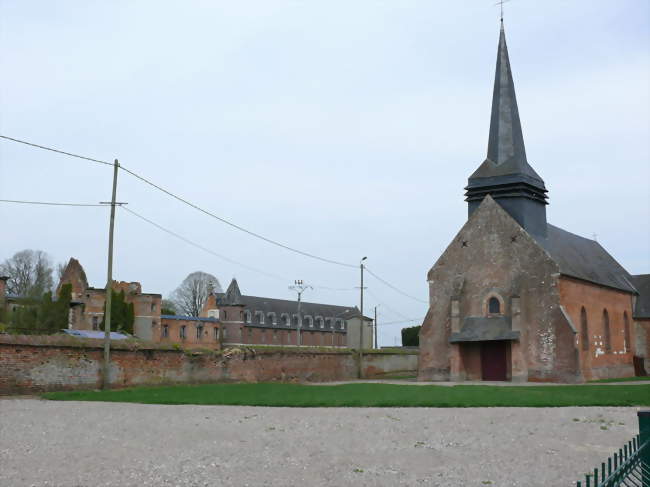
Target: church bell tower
x: 506, y: 174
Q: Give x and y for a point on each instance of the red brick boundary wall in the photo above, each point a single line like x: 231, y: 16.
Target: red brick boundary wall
x: 30, y: 364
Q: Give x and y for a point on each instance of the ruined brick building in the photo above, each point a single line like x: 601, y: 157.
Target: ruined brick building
x: 516, y: 298
x: 87, y: 306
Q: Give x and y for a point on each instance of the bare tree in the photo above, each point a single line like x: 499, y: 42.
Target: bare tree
x: 29, y: 272
x: 191, y: 295
x: 60, y: 269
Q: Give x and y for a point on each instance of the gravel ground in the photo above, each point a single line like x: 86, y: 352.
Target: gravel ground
x: 78, y: 444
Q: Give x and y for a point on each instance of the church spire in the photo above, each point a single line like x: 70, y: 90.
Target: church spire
x: 506, y: 139
x: 505, y: 174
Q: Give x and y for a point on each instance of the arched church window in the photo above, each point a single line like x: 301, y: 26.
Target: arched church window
x: 494, y: 306
x: 626, y: 331
x: 584, y: 330
x: 607, y: 332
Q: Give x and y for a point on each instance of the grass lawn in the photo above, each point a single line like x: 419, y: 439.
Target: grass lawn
x: 624, y: 379
x: 377, y: 395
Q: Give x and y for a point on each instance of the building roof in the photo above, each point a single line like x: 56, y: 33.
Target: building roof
x: 506, y: 155
x: 480, y: 329
x: 642, y: 284
x: 187, y: 318
x: 290, y: 307
x: 584, y: 259
x: 95, y: 334
x: 232, y: 297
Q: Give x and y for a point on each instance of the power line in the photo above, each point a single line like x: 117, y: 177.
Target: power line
x: 380, y: 302
x: 400, y: 322
x: 395, y: 288
x: 183, y: 200
x: 206, y: 212
x: 201, y: 247
x: 56, y: 150
x: 234, y: 225
x: 49, y: 203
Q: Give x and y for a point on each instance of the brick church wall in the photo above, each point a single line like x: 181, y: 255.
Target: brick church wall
x: 597, y: 362
x: 30, y: 364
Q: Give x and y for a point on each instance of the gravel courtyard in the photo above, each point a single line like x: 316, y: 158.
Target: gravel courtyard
x: 78, y: 444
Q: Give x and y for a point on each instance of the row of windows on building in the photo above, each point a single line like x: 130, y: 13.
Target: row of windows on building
x: 308, y: 321
x: 200, y: 329
x: 607, y: 333
x: 200, y: 333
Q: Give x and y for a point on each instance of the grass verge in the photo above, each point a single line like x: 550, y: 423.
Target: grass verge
x: 370, y: 395
x: 623, y: 379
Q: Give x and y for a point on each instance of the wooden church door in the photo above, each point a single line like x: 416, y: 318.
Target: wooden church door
x: 494, y: 364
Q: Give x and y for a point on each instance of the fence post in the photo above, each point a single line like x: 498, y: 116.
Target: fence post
x: 644, y: 440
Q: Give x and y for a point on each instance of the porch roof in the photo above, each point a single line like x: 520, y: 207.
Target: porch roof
x: 481, y: 329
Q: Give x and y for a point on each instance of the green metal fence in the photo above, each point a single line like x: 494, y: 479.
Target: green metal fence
x: 630, y: 466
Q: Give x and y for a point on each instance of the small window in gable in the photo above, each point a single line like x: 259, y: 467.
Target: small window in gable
x: 494, y: 306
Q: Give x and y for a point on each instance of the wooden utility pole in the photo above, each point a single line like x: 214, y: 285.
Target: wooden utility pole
x: 109, y: 288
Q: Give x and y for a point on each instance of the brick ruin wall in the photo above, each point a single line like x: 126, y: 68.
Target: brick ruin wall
x: 30, y: 364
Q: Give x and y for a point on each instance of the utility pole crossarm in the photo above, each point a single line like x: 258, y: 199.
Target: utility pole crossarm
x: 300, y: 287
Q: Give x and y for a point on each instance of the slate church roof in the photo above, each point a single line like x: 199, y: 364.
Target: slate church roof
x: 585, y: 259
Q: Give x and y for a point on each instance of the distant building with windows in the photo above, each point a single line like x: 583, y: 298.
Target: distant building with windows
x: 268, y: 321
x: 228, y: 318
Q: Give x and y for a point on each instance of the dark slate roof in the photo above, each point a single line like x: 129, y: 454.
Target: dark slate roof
x: 187, y: 318
x: 642, y: 284
x: 506, y: 154
x: 480, y: 329
x: 290, y: 307
x: 584, y: 259
x: 232, y: 297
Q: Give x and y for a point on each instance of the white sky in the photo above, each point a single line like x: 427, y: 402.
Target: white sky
x: 345, y: 129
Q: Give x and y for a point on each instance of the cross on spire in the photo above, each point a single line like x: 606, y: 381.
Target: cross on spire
x: 500, y: 4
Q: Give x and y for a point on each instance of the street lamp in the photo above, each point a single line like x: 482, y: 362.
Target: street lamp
x: 361, y: 323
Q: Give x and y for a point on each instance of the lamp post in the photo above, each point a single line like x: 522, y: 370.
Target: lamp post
x: 300, y: 288
x: 361, y: 322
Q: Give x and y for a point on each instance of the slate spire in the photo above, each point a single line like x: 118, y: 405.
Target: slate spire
x: 233, y: 294
x: 505, y: 174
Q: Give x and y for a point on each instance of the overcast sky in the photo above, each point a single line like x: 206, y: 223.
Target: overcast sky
x: 344, y: 129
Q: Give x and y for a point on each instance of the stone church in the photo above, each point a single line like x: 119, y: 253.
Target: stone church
x: 514, y: 297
